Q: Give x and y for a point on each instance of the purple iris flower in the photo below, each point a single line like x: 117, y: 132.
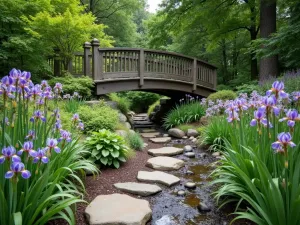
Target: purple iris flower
x: 9, y: 153
x: 241, y: 103
x: 15, y: 169
x: 39, y: 155
x: 26, y: 75
x: 7, y: 81
x: 58, y: 88
x: 31, y: 135
x: 58, y: 125
x: 296, y: 95
x: 80, y: 126
x: 270, y: 103
x: 27, y: 147
x: 75, y: 117
x: 259, y: 117
x: 233, y: 116
x: 38, y: 115
x: 47, y: 93
x: 284, y: 140
x: 35, y: 91
x: 65, y: 135
x: 277, y: 88
x: 67, y: 96
x: 15, y: 74
x: 291, y: 116
x: 44, y: 83
x: 23, y: 85
x: 52, y: 144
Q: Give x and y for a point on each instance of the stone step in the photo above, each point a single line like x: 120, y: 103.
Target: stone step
x: 143, y: 125
x: 141, y: 115
x: 138, y: 188
x: 118, y: 209
x: 158, y: 177
x: 150, y: 135
x: 165, y: 163
x: 165, y: 151
x: 161, y: 140
x: 148, y: 130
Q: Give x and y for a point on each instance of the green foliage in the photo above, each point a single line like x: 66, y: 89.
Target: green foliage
x: 135, y: 141
x: 107, y: 148
x: 222, y: 95
x: 221, y: 87
x: 140, y: 101
x: 185, y: 127
x: 98, y: 117
x: 82, y: 85
x: 123, y: 103
x: 246, y: 88
x: 152, y: 107
x: 186, y: 112
x: 216, y: 133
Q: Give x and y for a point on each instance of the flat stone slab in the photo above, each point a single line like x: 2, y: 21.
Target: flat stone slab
x: 150, y: 135
x: 138, y: 188
x: 161, y: 140
x: 139, y: 118
x: 143, y: 122
x: 158, y: 177
x: 165, y: 163
x: 165, y: 151
x: 118, y: 209
x: 141, y: 114
x: 148, y: 130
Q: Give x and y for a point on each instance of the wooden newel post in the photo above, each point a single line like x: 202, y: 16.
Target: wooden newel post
x: 141, y: 66
x: 86, y: 60
x: 96, y: 70
x: 194, y: 74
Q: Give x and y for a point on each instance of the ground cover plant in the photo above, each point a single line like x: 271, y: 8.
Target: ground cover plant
x: 107, y: 148
x: 261, y: 157
x: 123, y: 103
x: 39, y: 161
x: 135, y: 141
x: 187, y: 111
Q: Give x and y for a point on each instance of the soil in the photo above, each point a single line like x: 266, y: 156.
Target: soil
x: 183, y: 210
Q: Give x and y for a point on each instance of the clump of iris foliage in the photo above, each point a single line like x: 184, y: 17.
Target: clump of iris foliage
x: 261, y: 156
x: 187, y: 111
x: 40, y: 161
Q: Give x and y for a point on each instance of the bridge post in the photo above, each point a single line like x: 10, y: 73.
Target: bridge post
x: 96, y: 67
x: 86, y: 61
x: 194, y: 74
x: 141, y: 67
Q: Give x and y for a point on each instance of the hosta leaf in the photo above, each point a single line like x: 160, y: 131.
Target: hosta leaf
x: 122, y: 158
x: 105, y: 153
x: 115, y: 154
x: 95, y: 152
x: 114, y: 140
x: 106, y: 141
x: 109, y: 162
x: 99, y: 146
x: 104, y: 161
x: 117, y: 147
x: 116, y: 164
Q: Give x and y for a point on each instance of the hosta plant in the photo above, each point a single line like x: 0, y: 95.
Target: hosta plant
x: 107, y: 148
x: 39, y: 160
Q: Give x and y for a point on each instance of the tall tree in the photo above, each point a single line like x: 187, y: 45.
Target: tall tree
x: 268, y: 65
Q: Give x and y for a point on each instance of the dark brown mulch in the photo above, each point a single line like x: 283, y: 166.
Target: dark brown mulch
x: 103, y: 184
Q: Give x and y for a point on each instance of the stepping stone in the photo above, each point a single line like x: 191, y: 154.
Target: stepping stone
x: 165, y: 151
x: 187, y: 148
x: 161, y: 140
x: 165, y: 163
x: 148, y: 130
x: 140, y: 118
x: 150, y: 135
x: 181, y: 193
x: 138, y: 188
x: 141, y: 115
x: 190, y: 154
x: 158, y: 177
x: 118, y: 209
x: 190, y: 185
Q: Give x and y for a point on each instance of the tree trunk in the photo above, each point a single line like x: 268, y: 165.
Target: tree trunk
x: 253, y: 34
x: 268, y: 65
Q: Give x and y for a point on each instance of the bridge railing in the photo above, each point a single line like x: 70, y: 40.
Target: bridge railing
x: 141, y: 64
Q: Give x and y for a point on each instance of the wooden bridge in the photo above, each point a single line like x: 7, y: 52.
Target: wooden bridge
x: 123, y: 69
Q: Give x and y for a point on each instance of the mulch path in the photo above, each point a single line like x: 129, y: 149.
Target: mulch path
x: 103, y: 183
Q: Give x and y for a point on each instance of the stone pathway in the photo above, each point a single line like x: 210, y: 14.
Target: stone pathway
x: 126, y: 210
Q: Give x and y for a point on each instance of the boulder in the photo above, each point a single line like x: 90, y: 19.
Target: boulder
x: 165, y: 220
x: 128, y: 125
x: 175, y: 132
x: 138, y: 188
x: 103, y: 210
x: 165, y: 163
x: 122, y: 118
x: 187, y: 148
x: 122, y: 133
x: 165, y: 151
x: 190, y: 154
x: 192, y: 133
x: 204, y: 120
x: 112, y: 104
x: 157, y: 177
x: 190, y: 185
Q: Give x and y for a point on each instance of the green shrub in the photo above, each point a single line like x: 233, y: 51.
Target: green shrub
x: 184, y: 113
x: 151, y: 107
x: 107, y: 148
x: 140, y: 101
x: 83, y: 85
x: 246, y: 88
x: 222, y: 95
x: 221, y: 87
x: 98, y: 117
x: 135, y: 141
x: 216, y: 133
x: 123, y: 103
